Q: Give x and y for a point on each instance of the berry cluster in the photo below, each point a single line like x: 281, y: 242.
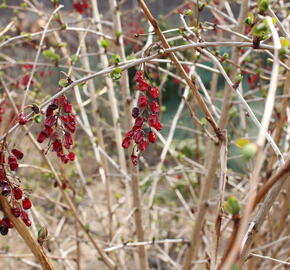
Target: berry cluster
x: 81, y: 6
x: 146, y: 111
x: 59, y: 126
x: 10, y: 188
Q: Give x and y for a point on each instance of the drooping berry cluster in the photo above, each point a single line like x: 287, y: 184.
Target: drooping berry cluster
x: 9, y: 187
x: 146, y: 111
x: 59, y: 126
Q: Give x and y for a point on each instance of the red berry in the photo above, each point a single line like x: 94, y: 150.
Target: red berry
x: 153, y: 91
x: 68, y: 140
x: 138, y: 136
x: 47, y: 131
x: 26, y: 203
x: 151, y: 137
x: 8, y: 222
x: 138, y: 122
x: 71, y: 156
x: 154, y: 107
x: 143, y: 145
x: 153, y: 120
x: 142, y: 101
x: 49, y: 112
x: 49, y: 121
x: 70, y: 127
x: 18, y: 193
x: 57, y: 146
x: 17, y: 153
x: 138, y: 76
x: 16, y: 212
x: 13, y: 164
x: 64, y: 159
x: 134, y: 160
x: 67, y: 107
x: 21, y: 119
x: 158, y: 126
x: 126, y: 142
x: 41, y: 136
x: 25, y: 218
x: 143, y: 85
x: 130, y: 134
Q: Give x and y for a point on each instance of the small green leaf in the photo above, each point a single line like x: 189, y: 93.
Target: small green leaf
x: 241, y: 142
x: 74, y: 59
x: 232, y: 206
x: 250, y: 19
x: 263, y: 5
x: 62, y: 82
x: 115, y: 59
x: 116, y: 74
x: 239, y: 77
x: 118, y: 34
x: 38, y: 118
x: 51, y: 55
x: 105, y: 43
x: 188, y: 12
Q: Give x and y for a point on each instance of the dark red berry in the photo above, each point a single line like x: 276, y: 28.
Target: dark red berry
x: 17, y: 153
x: 67, y: 107
x: 68, y: 140
x: 13, y: 164
x: 47, y: 131
x: 8, y: 222
x: 41, y: 136
x: 16, y: 212
x: 25, y: 218
x: 64, y: 159
x: 5, y: 189
x: 18, y: 193
x: 143, y: 85
x: 49, y: 112
x: 4, y: 229
x: 49, y: 121
x: 57, y: 146
x: 135, y: 112
x: 26, y: 203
